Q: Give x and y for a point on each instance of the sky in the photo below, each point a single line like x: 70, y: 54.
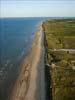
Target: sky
x: 37, y: 8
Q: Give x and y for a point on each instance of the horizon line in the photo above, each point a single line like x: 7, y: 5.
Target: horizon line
x: 38, y: 16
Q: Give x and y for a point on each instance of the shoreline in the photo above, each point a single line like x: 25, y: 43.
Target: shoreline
x: 22, y: 84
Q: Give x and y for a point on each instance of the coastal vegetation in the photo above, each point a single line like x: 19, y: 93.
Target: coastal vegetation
x: 59, y: 42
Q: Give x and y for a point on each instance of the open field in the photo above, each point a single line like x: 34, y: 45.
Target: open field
x: 69, y: 41
x: 60, y: 34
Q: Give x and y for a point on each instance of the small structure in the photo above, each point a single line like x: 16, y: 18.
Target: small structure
x: 73, y: 67
x: 53, y: 65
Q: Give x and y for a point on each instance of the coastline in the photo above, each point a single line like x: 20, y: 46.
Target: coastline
x: 24, y: 80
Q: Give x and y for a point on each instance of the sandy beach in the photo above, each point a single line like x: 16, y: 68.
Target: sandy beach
x: 25, y: 86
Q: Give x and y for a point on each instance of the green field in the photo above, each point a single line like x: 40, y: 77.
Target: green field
x: 60, y: 34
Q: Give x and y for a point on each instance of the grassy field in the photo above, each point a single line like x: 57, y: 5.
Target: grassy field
x: 60, y: 34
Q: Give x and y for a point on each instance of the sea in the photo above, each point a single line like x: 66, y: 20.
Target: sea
x: 16, y: 36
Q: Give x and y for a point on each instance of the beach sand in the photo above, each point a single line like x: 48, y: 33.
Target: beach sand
x: 25, y: 85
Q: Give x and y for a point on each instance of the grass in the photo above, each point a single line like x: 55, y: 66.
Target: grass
x: 69, y: 42
x: 61, y: 34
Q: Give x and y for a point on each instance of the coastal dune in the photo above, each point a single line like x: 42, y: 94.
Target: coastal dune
x: 25, y: 85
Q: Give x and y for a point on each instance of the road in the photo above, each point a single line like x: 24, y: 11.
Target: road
x: 69, y: 50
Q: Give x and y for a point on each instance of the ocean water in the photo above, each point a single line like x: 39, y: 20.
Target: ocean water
x: 16, y: 35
